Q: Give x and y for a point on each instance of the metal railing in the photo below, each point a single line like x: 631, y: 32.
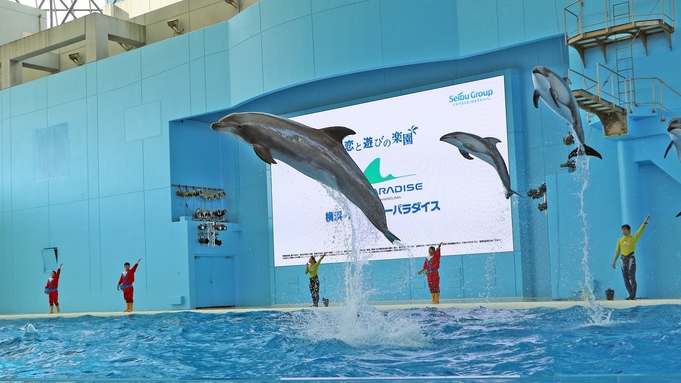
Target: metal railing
x: 613, y: 88
x: 574, y: 20
x: 658, y: 90
x: 607, y: 86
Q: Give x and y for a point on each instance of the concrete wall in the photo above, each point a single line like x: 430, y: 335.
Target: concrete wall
x: 138, y: 122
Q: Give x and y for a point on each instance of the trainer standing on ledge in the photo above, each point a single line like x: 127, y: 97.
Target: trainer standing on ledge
x: 125, y: 284
x: 626, y: 246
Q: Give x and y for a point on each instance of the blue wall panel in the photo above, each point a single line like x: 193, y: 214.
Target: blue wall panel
x: 275, y: 13
x: 35, y: 91
x: 217, y: 77
x: 404, y: 40
x: 175, y: 52
x: 73, y: 187
x: 197, y: 86
x: 245, y: 70
x: 120, y: 162
x: 127, y: 68
x: 244, y: 27
x: 285, y: 60
x: 69, y: 87
x: 26, y: 192
x: 347, y: 39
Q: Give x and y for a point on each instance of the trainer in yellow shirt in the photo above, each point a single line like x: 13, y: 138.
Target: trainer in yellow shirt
x: 626, y: 246
x: 312, y: 268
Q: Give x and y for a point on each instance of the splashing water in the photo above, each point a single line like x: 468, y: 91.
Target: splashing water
x: 355, y: 322
x: 597, y: 313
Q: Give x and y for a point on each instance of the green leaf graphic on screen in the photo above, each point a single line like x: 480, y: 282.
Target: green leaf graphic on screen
x: 373, y: 173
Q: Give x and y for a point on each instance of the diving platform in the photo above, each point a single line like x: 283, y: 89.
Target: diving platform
x: 612, y: 116
x: 603, y: 37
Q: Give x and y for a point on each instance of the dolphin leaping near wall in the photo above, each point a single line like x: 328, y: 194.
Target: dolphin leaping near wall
x: 674, y: 130
x: 556, y: 94
x: 317, y: 153
x: 486, y: 150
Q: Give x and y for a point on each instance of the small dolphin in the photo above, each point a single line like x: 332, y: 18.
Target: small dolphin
x: 317, y: 153
x: 556, y: 94
x: 483, y: 148
x: 674, y: 130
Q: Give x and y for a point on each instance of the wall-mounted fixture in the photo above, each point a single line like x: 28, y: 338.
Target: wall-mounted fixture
x: 234, y: 3
x: 126, y: 46
x: 75, y: 57
x: 539, y: 192
x: 570, y: 165
x: 174, y: 24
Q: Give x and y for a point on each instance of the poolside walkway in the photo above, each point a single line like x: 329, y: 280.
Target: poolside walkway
x: 445, y: 304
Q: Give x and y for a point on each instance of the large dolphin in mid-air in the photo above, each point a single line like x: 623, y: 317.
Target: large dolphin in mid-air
x: 483, y: 148
x: 556, y: 94
x: 674, y: 130
x: 317, y: 153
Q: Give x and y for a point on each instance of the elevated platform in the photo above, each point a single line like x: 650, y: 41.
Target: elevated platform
x: 492, y: 305
x: 612, y: 34
x: 613, y: 117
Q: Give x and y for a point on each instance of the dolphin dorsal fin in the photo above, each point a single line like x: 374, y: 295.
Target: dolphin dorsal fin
x: 493, y: 140
x: 264, y: 153
x: 465, y: 154
x: 337, y: 133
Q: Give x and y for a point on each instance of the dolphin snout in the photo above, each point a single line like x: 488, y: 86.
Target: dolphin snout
x: 674, y: 124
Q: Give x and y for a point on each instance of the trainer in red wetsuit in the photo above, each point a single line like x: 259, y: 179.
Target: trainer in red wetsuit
x: 51, y: 289
x: 125, y: 283
x: 431, y: 267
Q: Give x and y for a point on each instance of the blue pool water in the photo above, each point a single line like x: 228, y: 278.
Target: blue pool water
x: 348, y: 342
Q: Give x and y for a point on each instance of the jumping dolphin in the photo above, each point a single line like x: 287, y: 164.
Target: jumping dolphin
x: 317, y: 153
x: 483, y: 148
x: 674, y: 130
x: 556, y: 94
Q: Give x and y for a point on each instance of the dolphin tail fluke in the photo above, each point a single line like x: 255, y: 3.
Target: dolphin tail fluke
x: 510, y: 192
x: 678, y: 215
x: 586, y: 150
x: 391, y: 237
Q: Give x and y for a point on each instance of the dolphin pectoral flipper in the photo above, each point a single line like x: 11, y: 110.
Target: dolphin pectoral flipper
x: 264, y: 153
x: 337, y: 133
x: 667, y: 151
x: 554, y: 96
x: 465, y: 154
x: 535, y: 98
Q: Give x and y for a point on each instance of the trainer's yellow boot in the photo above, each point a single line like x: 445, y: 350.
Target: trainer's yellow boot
x: 58, y: 309
x: 432, y: 297
x: 436, y: 298
x: 130, y: 309
x: 51, y: 309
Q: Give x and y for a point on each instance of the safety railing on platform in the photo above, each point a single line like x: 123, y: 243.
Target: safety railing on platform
x: 576, y: 22
x: 609, y: 86
x: 612, y: 88
x: 660, y: 92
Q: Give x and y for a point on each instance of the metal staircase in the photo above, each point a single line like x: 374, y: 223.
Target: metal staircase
x: 612, y: 94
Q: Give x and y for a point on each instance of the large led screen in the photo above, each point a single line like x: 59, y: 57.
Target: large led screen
x: 430, y: 192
